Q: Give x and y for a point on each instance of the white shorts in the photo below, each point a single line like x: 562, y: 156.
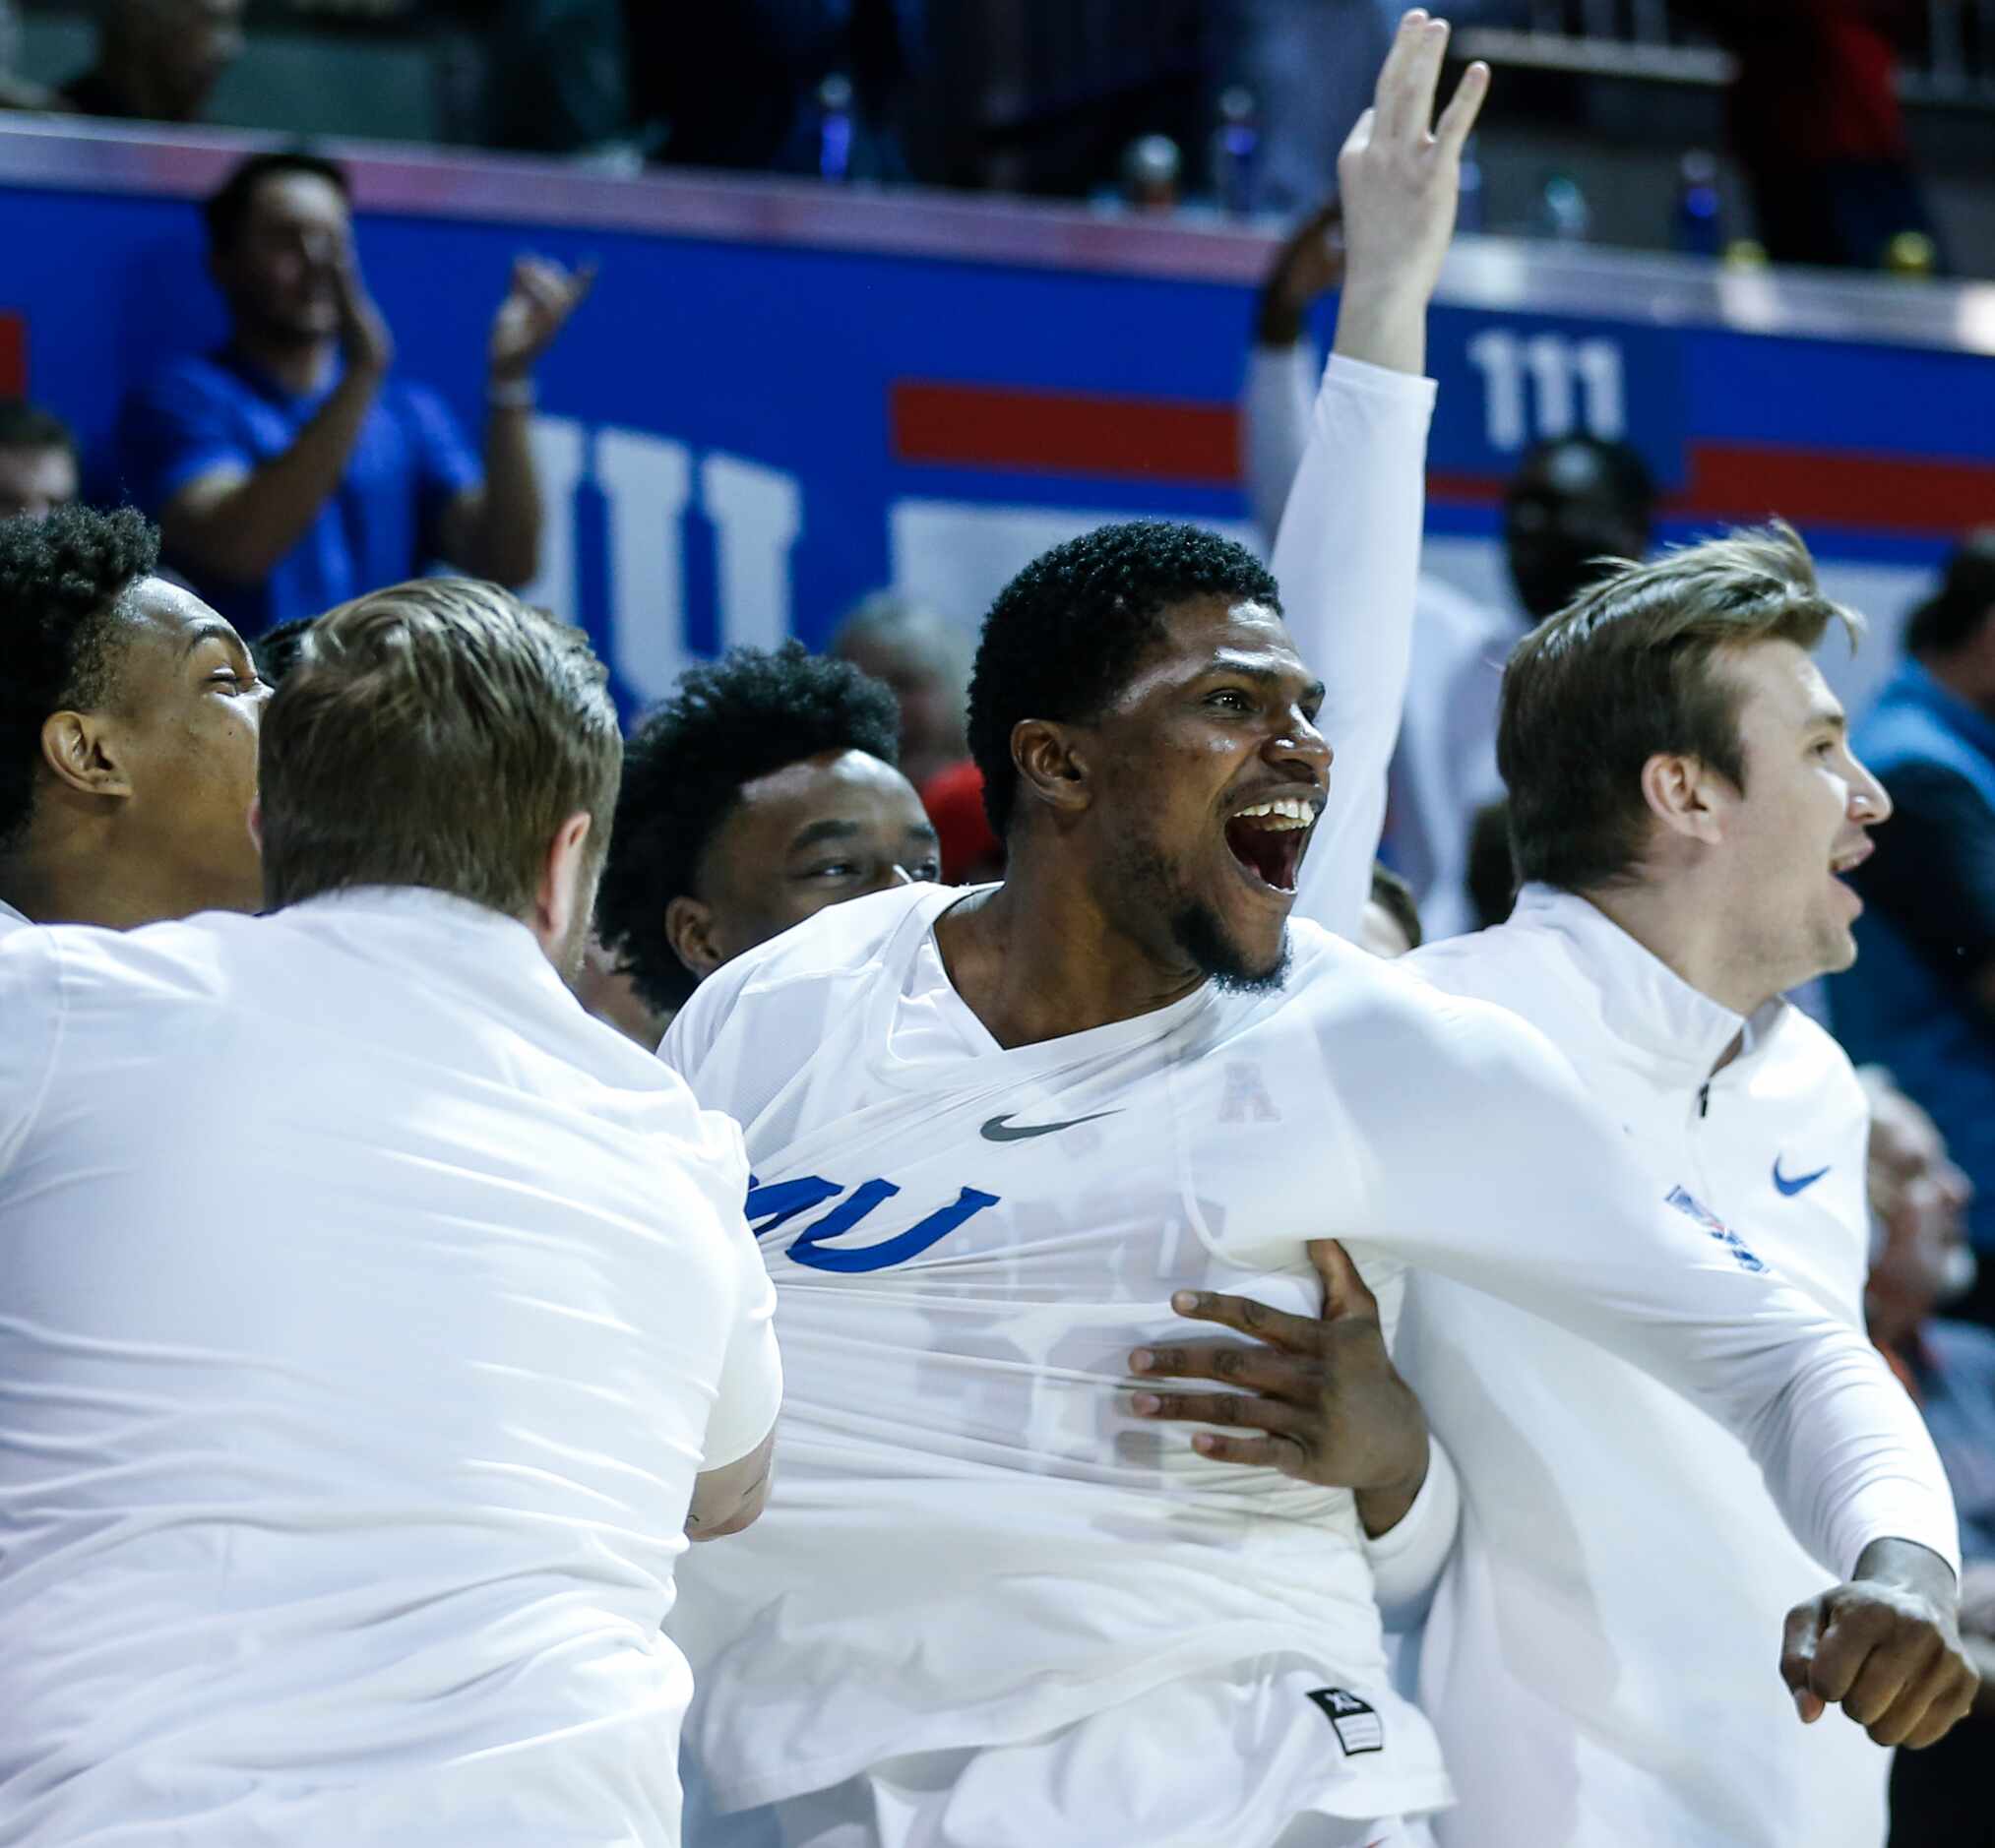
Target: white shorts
x: 1239, y: 1761
x: 904, y: 1804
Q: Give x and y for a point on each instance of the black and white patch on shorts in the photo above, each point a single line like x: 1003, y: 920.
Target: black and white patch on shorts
x: 1355, y: 1722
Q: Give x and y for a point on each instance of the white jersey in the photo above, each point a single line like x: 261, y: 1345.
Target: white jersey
x: 12, y: 920
x: 1622, y: 1574
x: 969, y: 1541
x: 366, y: 1312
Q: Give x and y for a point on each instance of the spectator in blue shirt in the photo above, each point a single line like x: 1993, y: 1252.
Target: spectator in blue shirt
x: 1921, y: 1000
x: 1939, y: 1796
x: 287, y: 470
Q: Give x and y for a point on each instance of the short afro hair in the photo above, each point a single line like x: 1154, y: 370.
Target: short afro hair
x: 1065, y: 634
x: 61, y: 580
x: 730, y: 722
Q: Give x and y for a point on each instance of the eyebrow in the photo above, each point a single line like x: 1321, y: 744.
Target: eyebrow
x: 818, y: 831
x: 1823, y: 720
x: 214, y: 632
x: 1255, y: 670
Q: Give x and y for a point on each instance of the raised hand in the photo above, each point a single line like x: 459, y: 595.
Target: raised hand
x: 1400, y: 181
x: 1321, y: 1392
x: 365, y: 343
x: 1309, y: 264
x: 541, y: 297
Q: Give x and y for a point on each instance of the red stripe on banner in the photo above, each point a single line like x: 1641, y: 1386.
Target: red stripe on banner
x: 1008, y: 427
x: 12, y: 355
x: 1921, y: 494
x: 982, y: 426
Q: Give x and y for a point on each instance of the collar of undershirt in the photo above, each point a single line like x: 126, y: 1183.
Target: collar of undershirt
x: 1642, y: 1002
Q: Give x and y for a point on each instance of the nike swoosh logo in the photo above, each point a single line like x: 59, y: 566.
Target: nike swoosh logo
x: 1000, y: 1129
x: 1798, y: 1182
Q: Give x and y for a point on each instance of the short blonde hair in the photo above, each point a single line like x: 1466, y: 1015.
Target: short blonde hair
x: 1629, y: 670
x: 437, y: 734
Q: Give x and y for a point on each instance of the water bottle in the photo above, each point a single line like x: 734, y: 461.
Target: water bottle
x: 835, y: 128
x: 1563, y: 214
x: 1236, y: 151
x: 1699, y: 213
x: 1150, y: 173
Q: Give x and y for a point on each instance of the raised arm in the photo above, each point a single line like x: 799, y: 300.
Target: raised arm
x: 1347, y: 553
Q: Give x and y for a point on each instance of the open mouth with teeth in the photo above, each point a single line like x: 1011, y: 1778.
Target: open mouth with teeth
x: 1267, y: 839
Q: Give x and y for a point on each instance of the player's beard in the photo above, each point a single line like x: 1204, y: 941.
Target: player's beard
x: 1150, y: 882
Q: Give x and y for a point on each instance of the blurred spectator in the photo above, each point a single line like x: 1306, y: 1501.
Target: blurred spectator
x: 157, y: 60
x: 1922, y: 998
x: 1818, y: 126
x: 762, y: 792
x: 37, y: 461
x: 289, y: 472
x: 921, y: 657
x: 16, y: 92
x: 560, y: 79
x: 1575, y: 501
x: 737, y: 85
x: 971, y: 852
x: 1939, y: 1796
x: 1492, y: 865
x: 1390, y: 924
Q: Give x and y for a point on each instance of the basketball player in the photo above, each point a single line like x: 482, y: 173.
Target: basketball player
x: 995, y: 1135
x: 372, y: 1321
x: 129, y: 715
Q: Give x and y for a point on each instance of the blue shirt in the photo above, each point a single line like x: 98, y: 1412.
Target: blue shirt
x: 1955, y: 1367
x: 379, y: 528
x: 1929, y: 927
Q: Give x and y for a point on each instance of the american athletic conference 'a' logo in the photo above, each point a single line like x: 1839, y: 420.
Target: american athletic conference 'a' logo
x: 776, y: 1205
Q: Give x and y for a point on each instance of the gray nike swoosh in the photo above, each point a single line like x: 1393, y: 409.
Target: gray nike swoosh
x: 999, y: 1130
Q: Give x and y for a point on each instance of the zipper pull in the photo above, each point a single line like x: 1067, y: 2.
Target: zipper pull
x: 1704, y: 1099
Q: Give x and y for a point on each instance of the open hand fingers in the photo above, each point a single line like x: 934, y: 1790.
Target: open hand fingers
x: 1268, y: 1452
x: 1345, y: 1294
x: 1258, y: 1369
x: 1457, y: 120
x: 1410, y: 78
x: 1247, y: 1411
x: 1244, y: 1314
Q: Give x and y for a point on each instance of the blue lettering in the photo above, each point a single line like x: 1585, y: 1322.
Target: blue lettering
x: 810, y: 1249
x: 784, y: 1200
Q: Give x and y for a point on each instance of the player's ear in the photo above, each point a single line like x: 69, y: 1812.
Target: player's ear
x: 689, y: 929
x: 1051, y: 768
x: 1685, y: 794
x: 84, y: 752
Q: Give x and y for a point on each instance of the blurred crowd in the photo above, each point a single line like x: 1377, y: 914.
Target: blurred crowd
x: 1238, y: 104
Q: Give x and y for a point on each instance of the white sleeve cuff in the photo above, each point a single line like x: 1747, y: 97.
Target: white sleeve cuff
x: 1407, y: 1560
x: 1410, y: 389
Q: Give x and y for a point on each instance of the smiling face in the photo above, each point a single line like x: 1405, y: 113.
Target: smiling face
x: 798, y: 841
x: 1800, y: 823
x: 278, y: 273
x: 1207, y: 776
x: 182, y: 726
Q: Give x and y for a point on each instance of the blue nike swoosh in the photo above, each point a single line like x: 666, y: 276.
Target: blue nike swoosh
x: 1799, y: 1182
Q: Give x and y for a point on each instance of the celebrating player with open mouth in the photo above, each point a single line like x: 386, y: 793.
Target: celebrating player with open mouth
x: 994, y: 1133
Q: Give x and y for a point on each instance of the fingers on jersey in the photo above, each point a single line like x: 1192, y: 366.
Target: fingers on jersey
x: 1300, y: 1334
x: 1893, y: 1670
x: 1293, y: 1376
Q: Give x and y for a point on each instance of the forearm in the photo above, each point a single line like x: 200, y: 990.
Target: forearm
x: 1384, y: 324
x: 504, y: 542
x: 242, y: 532
x: 1347, y: 559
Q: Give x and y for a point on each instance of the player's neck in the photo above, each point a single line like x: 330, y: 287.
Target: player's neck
x: 1036, y: 960
x: 1689, y: 936
x: 90, y: 880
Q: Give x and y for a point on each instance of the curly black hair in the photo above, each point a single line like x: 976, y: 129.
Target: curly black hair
x: 60, y: 582
x: 730, y: 722
x: 1065, y: 634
